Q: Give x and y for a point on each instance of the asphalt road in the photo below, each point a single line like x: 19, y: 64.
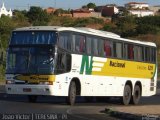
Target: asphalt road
x: 18, y: 104
x: 57, y: 105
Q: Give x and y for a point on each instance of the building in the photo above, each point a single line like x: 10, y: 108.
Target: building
x: 107, y: 10
x: 155, y: 9
x: 136, y: 5
x: 65, y: 15
x: 139, y: 9
x: 50, y: 10
x: 81, y: 13
x: 4, y: 11
x: 141, y: 13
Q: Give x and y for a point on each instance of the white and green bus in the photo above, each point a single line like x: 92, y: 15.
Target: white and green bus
x: 66, y: 61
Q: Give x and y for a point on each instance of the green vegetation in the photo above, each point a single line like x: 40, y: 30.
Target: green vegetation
x: 89, y: 5
x: 144, y: 28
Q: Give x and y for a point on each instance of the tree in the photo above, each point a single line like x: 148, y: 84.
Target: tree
x: 84, y: 7
x: 37, y: 16
x: 126, y: 26
x: 20, y: 19
x: 91, y: 5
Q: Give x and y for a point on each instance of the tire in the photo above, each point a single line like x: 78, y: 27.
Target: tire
x: 72, y: 93
x: 32, y: 98
x: 136, y: 95
x: 127, y: 93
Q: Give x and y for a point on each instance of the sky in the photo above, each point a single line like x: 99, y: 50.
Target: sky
x: 67, y: 4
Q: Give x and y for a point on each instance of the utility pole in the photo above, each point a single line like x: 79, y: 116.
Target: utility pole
x: 28, y: 6
x: 55, y: 2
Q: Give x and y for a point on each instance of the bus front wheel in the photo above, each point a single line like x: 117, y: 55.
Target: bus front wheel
x: 136, y: 95
x: 126, y: 95
x: 72, y: 93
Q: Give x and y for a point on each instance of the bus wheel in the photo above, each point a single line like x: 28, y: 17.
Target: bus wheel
x: 126, y: 95
x: 136, y: 95
x: 32, y: 98
x: 72, y: 93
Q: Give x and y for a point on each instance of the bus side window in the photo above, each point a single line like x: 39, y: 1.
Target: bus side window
x: 82, y: 44
x: 60, y: 62
x: 125, y: 51
x: 65, y: 41
x: 130, y: 52
x: 119, y: 50
x: 100, y: 47
x: 147, y: 54
x: 63, y: 63
x: 78, y: 43
x: 153, y: 55
x: 95, y: 46
x: 107, y: 48
x: 89, y: 45
x: 138, y: 53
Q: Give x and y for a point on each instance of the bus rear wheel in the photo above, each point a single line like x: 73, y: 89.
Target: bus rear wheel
x: 126, y: 95
x: 136, y: 95
x: 32, y: 98
x: 72, y: 93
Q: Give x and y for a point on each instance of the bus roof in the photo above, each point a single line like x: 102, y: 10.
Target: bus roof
x: 83, y: 30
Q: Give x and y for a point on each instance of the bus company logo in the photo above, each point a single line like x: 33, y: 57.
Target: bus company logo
x: 117, y: 64
x: 87, y: 65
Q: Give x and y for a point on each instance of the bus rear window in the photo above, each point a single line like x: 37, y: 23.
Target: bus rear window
x: 33, y: 37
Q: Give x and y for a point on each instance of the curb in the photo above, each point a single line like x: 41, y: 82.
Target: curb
x: 129, y: 116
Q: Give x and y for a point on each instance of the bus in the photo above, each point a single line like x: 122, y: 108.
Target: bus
x: 70, y: 62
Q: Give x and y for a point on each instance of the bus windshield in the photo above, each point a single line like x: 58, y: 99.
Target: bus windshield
x: 33, y: 37
x: 34, y: 60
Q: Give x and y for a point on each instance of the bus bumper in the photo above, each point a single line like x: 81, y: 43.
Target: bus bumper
x: 30, y: 89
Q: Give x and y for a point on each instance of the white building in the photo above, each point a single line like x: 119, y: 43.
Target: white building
x: 139, y: 9
x: 4, y: 11
x: 141, y: 13
x: 136, y: 5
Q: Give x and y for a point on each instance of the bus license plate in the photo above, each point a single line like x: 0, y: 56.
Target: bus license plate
x: 27, y: 90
